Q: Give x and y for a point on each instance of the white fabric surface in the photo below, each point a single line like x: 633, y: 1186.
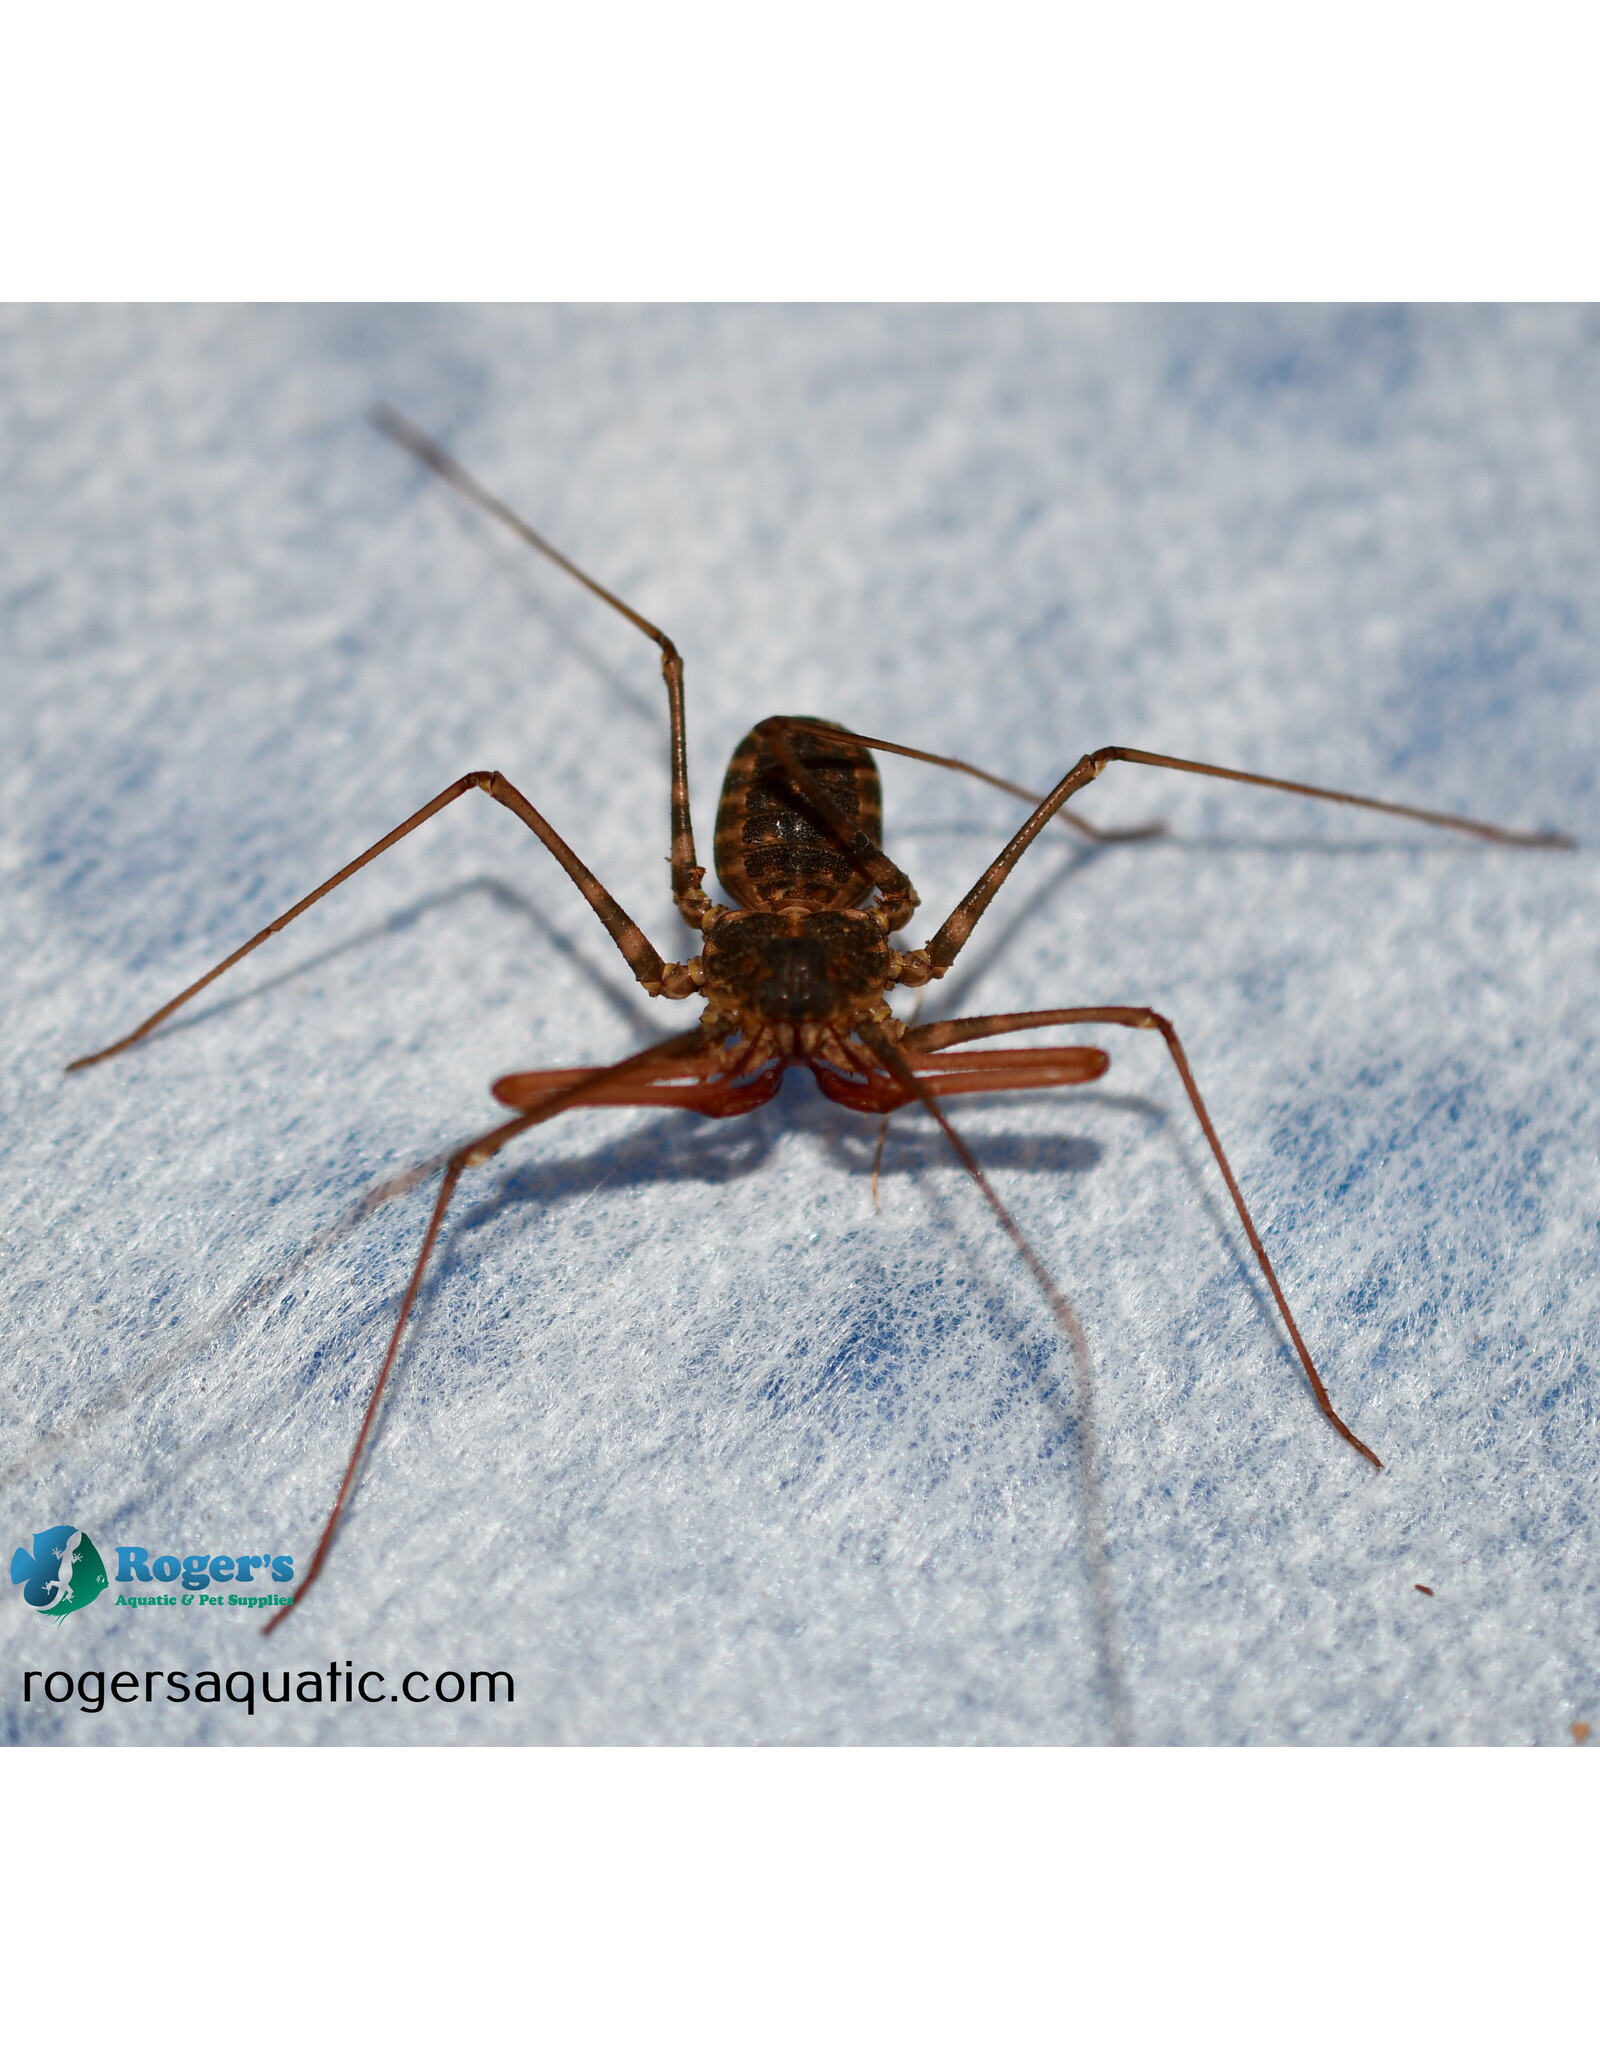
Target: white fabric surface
x: 687, y: 1437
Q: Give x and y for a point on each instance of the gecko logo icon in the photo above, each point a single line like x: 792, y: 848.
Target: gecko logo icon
x: 62, y: 1572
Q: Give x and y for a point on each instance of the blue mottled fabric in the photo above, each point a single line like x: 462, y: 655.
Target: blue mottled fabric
x: 688, y: 1436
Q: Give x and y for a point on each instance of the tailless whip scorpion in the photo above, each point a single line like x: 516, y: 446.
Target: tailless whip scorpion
x: 796, y: 971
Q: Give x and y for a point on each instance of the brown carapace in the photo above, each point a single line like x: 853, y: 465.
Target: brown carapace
x: 797, y: 970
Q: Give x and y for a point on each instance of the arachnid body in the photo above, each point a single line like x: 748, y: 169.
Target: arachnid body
x: 798, y: 968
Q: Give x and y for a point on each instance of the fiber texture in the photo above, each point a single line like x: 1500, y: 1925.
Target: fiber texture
x: 688, y: 1437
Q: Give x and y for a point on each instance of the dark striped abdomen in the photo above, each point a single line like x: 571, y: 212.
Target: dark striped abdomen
x: 771, y: 852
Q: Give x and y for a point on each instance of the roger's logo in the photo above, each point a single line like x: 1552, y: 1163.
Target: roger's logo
x: 60, y: 1574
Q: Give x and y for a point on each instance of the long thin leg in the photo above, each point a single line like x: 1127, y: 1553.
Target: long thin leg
x: 936, y: 957
x: 877, y: 1160
x: 883, y: 1127
x: 915, y: 1084
x: 691, y: 900
x: 927, y: 1038
x: 648, y: 967
x: 476, y: 1152
x: 957, y: 928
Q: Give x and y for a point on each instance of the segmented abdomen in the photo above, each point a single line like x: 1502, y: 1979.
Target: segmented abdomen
x: 771, y: 852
